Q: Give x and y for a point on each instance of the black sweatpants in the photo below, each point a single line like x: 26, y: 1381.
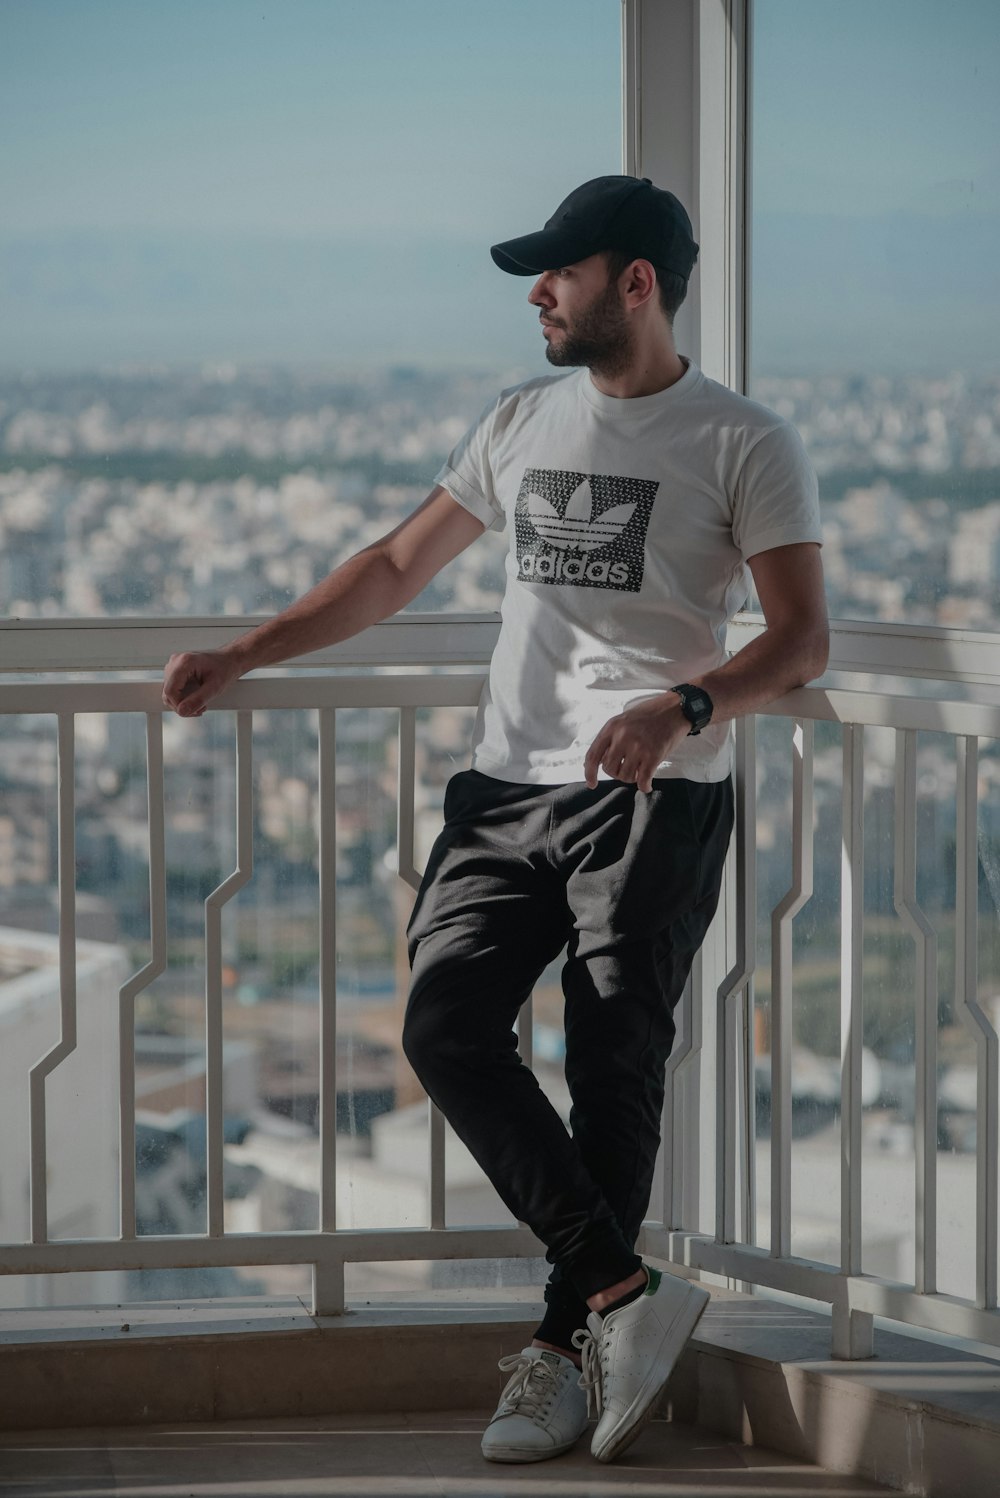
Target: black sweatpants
x: 628, y: 884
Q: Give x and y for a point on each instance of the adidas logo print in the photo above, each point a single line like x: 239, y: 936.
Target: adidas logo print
x: 584, y: 530
x: 576, y: 528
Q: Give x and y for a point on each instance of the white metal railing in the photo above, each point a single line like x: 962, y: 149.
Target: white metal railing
x: 328, y: 1249
x: 854, y: 1296
x: 697, y: 1071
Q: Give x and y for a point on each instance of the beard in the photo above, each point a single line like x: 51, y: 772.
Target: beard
x: 598, y: 338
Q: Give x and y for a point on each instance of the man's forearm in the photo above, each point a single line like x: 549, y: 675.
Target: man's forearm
x: 771, y: 665
x: 369, y: 586
x: 366, y: 588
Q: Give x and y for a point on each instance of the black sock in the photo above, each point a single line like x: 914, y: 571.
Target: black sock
x: 627, y: 1299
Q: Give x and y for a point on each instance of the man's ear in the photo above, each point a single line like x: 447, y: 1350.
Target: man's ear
x: 640, y: 282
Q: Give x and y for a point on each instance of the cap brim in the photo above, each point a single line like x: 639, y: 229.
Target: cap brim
x: 533, y: 253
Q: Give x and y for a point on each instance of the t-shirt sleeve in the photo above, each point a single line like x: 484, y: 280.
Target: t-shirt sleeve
x: 776, y: 498
x: 467, y: 474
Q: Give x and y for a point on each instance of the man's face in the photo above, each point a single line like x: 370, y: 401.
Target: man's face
x: 583, y: 320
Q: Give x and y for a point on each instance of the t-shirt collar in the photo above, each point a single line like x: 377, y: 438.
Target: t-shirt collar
x: 640, y: 405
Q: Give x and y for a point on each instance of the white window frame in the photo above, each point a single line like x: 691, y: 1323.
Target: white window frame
x: 685, y: 100
x: 686, y: 125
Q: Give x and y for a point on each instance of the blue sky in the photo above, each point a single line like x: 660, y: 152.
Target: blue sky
x: 300, y: 179
x: 876, y: 191
x: 321, y: 179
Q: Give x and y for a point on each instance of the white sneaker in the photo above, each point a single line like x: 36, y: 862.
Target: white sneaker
x: 542, y: 1411
x: 629, y: 1355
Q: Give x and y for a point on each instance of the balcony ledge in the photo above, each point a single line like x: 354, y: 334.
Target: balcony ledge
x: 919, y: 1416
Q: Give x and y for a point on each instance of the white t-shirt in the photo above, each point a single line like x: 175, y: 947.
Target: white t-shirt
x: 630, y: 522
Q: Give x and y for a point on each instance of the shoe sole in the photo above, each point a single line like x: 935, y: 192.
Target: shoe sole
x: 524, y: 1454
x: 640, y: 1410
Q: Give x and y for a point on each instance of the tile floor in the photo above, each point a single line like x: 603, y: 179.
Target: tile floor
x: 387, y: 1456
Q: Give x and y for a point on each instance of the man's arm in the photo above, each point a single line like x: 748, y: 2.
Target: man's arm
x: 371, y: 585
x: 793, y: 649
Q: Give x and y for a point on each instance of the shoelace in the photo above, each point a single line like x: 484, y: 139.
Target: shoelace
x: 590, y: 1379
x: 532, y: 1384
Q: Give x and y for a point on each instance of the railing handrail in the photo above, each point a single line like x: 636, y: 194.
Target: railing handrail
x: 39, y: 645
x: 388, y: 689
x: 442, y: 639
x: 461, y: 689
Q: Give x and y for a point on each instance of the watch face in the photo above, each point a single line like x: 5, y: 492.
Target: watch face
x: 697, y: 707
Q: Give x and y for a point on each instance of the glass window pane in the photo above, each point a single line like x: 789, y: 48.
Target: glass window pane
x: 876, y: 291
x: 245, y: 282
x: 248, y: 309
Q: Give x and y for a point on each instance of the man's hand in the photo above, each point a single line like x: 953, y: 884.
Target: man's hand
x: 192, y: 679
x: 792, y: 650
x: 630, y: 746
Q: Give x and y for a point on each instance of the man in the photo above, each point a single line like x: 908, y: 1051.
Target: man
x: 598, y: 811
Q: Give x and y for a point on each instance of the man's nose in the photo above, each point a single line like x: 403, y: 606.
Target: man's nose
x: 540, y: 294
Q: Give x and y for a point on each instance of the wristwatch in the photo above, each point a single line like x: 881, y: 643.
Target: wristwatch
x: 696, y: 705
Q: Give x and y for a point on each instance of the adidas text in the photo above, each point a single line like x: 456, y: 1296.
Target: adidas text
x: 572, y: 569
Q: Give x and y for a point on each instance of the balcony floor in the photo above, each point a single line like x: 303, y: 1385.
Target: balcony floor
x: 392, y: 1456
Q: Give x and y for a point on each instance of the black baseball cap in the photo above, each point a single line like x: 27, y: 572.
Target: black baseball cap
x: 607, y: 213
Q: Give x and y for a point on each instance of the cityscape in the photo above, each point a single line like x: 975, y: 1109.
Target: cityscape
x: 228, y: 491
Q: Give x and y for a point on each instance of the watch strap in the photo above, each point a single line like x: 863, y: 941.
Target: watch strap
x: 696, y: 705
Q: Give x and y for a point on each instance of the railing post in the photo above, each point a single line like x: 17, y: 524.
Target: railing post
x: 925, y: 1123
x: 736, y: 989
x: 975, y: 1020
x: 216, y: 901
x: 782, y: 986
x: 853, y: 1331
x: 328, y: 1298
x: 140, y: 981
x: 436, y: 1142
x: 681, y: 1154
x: 406, y: 795
x: 37, y: 1120
x: 327, y: 969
